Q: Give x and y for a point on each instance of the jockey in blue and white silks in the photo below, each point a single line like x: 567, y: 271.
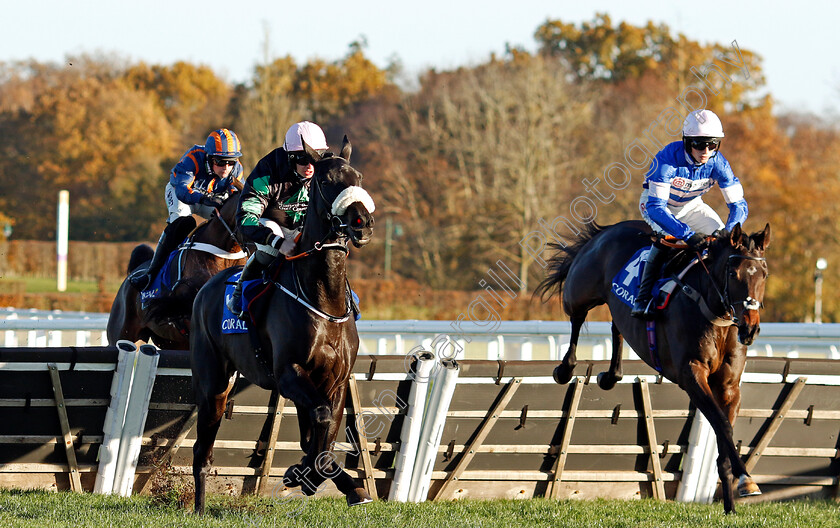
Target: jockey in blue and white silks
x: 672, y: 199
x: 198, y: 184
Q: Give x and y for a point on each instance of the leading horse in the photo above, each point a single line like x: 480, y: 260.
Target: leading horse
x: 305, y: 328
x: 701, y: 338
x: 209, y: 248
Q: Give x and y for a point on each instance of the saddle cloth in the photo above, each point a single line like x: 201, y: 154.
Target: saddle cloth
x: 625, y: 285
x: 161, y: 284
x: 250, y: 290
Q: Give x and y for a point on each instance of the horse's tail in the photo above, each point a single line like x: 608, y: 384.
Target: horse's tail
x: 560, y: 264
x: 140, y: 254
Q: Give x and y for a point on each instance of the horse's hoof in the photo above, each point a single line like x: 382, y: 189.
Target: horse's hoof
x: 747, y: 487
x: 358, y: 496
x: 562, y: 375
x: 607, y: 382
x: 322, y: 414
x: 291, y: 479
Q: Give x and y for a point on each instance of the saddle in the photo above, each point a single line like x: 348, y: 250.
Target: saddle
x: 625, y: 285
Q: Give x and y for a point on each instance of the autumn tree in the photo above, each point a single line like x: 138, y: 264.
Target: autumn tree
x: 476, y: 158
x: 329, y: 89
x: 83, y: 129
x: 193, y: 99
x: 267, y: 108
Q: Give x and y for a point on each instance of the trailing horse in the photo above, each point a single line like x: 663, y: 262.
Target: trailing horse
x: 305, y: 329
x: 701, y: 338
x: 209, y: 248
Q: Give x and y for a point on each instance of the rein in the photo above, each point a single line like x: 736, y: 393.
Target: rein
x: 336, y: 225
x: 210, y: 248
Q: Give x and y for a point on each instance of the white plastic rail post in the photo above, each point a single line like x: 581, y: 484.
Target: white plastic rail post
x: 443, y: 387
x: 114, y: 417
x: 413, y: 421
x: 135, y: 419
x: 699, y: 471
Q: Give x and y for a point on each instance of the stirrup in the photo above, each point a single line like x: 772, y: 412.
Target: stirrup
x: 140, y: 280
x: 234, y: 308
x: 648, y: 313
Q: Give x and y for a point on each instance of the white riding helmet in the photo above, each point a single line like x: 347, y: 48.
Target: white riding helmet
x: 702, y: 123
x: 310, y: 132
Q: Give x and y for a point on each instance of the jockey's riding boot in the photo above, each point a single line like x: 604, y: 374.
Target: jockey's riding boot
x: 169, y: 240
x: 643, y: 307
x: 253, y: 269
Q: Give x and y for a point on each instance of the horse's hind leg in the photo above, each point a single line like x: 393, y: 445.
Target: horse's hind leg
x: 563, y: 372
x: 696, y: 384
x: 607, y: 380
x: 211, y: 405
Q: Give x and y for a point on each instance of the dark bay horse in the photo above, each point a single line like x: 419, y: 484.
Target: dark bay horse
x: 166, y: 320
x: 702, y: 349
x: 306, y: 329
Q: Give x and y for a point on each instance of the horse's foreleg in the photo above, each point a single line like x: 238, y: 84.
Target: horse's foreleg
x: 314, y: 419
x: 563, y: 372
x: 726, y: 388
x: 607, y: 380
x: 346, y: 484
x: 696, y: 384
x: 210, y: 411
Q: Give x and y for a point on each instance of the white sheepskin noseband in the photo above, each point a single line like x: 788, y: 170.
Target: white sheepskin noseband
x: 349, y: 195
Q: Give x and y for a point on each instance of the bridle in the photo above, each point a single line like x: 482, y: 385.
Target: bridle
x: 724, y: 296
x: 336, y: 230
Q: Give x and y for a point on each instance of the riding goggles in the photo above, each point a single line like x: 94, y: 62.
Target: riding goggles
x: 300, y: 158
x: 221, y: 162
x: 704, y: 143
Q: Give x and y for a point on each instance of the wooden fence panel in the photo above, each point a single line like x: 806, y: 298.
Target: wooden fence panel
x: 510, y: 431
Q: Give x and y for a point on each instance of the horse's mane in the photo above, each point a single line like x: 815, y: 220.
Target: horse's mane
x: 559, y: 264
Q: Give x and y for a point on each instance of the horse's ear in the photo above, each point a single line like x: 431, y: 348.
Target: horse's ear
x: 346, y: 149
x: 762, y: 239
x: 735, y: 235
x: 309, y: 150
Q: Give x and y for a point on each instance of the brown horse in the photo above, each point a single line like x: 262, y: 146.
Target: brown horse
x: 701, y: 338
x: 306, y: 329
x: 210, y: 248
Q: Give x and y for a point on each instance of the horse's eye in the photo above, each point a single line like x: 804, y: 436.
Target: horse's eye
x: 358, y: 221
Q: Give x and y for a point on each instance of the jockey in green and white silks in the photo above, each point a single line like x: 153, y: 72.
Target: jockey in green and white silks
x: 274, y: 201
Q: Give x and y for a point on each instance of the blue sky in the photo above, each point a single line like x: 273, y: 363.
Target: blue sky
x: 798, y: 42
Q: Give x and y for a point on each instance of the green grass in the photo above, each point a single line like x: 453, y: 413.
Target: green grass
x: 48, y: 285
x: 28, y: 509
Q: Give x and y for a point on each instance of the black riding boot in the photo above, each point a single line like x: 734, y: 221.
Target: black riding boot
x: 172, y: 235
x: 643, y: 307
x: 253, y: 269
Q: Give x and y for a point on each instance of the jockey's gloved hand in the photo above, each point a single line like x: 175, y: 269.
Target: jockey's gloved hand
x: 212, y: 200
x: 720, y: 233
x: 284, y: 244
x: 290, y: 234
x: 697, y: 242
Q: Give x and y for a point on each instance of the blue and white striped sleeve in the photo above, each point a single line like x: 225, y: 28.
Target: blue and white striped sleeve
x: 659, y: 192
x: 733, y: 192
